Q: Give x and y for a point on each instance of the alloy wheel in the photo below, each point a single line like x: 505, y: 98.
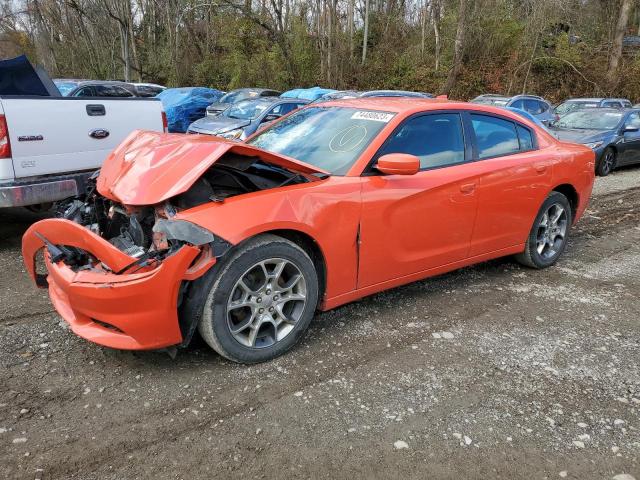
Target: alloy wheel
x: 552, y: 231
x: 266, y: 302
x: 607, y: 161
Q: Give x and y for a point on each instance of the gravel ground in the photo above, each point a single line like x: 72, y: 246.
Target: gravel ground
x: 494, y: 371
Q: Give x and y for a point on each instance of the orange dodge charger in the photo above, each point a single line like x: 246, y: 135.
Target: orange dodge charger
x: 245, y: 241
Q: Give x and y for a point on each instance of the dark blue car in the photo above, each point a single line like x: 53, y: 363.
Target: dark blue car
x: 614, y: 135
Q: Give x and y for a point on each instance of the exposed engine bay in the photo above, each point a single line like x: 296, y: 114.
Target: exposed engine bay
x: 148, y: 233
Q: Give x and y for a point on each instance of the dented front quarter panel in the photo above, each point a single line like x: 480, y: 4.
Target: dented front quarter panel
x: 133, y: 311
x: 150, y: 167
x: 327, y: 211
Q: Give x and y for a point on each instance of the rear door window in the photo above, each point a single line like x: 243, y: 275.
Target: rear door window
x: 518, y: 104
x: 437, y: 140
x: 494, y: 136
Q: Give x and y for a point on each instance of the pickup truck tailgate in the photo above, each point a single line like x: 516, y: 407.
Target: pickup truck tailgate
x: 55, y: 135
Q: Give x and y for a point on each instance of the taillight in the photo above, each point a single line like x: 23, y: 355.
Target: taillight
x: 5, y: 146
x: 165, y: 124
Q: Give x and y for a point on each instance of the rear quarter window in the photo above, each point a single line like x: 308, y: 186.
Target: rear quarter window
x: 525, y: 137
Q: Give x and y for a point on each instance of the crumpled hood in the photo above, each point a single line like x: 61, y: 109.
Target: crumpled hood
x: 579, y: 136
x: 150, y: 167
x: 219, y: 124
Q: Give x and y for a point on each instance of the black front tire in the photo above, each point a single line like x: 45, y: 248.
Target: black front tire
x: 607, y: 162
x: 531, y: 257
x: 215, y: 327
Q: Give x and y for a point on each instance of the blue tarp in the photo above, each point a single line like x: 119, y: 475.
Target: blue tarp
x: 186, y: 105
x: 312, y: 94
x: 19, y: 77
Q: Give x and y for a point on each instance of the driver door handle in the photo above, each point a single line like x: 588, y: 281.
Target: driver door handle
x: 541, y: 167
x: 468, y: 188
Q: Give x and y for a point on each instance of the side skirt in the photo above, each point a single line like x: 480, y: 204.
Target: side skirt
x: 334, y: 302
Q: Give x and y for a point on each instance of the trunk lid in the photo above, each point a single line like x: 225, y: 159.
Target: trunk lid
x: 149, y: 167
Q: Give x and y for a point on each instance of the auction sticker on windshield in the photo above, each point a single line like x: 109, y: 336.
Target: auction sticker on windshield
x: 375, y: 116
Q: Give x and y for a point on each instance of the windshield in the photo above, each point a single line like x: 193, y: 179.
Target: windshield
x: 567, y: 107
x: 237, y: 95
x: 590, y: 120
x: 246, y: 110
x: 331, y: 138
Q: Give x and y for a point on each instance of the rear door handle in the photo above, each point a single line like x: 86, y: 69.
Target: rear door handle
x: 95, y: 110
x: 468, y: 188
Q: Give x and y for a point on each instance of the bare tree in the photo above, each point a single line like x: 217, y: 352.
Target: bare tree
x: 365, y: 37
x: 458, y: 48
x: 616, y: 51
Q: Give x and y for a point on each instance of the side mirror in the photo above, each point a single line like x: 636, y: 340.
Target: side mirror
x: 398, y: 164
x: 630, y: 129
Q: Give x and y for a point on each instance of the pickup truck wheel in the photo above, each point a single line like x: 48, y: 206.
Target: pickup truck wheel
x: 261, y: 302
x: 549, y: 234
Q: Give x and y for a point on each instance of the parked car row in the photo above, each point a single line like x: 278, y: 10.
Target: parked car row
x: 241, y: 112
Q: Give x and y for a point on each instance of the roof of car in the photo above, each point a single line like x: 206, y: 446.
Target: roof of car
x: 102, y: 82
x: 409, y: 104
x: 251, y: 89
x: 596, y: 99
x: 273, y: 100
x: 395, y: 93
x: 508, y: 97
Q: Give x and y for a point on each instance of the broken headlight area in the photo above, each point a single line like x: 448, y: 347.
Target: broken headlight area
x: 147, y: 234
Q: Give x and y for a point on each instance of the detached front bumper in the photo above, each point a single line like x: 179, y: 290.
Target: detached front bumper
x: 135, y: 311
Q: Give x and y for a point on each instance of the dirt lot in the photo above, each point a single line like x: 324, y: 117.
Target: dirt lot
x: 490, y: 372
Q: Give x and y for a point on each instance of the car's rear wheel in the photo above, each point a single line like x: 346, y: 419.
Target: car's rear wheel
x: 550, y: 232
x: 607, y: 162
x: 261, y: 302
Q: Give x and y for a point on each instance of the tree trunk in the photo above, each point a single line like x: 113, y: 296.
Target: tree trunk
x: 423, y: 26
x: 365, y: 38
x: 435, y: 17
x: 458, y: 48
x: 616, y: 51
x: 350, y: 8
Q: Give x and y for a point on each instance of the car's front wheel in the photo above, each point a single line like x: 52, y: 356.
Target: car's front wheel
x: 261, y: 302
x: 550, y: 232
x: 607, y: 162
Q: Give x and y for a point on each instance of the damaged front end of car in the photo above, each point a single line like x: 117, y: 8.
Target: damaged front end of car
x: 121, y: 267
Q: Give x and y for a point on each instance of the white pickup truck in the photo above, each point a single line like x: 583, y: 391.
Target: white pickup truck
x: 49, y: 146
